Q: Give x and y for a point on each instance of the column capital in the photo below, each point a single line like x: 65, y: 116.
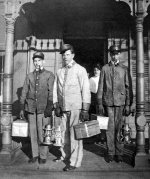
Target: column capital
x: 10, y: 23
x: 139, y: 25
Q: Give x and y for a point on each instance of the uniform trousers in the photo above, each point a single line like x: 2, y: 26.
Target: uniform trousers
x: 114, y: 144
x: 37, y: 123
x: 72, y: 150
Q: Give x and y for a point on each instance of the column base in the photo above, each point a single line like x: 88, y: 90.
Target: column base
x: 6, y: 157
x: 142, y: 161
x: 8, y: 153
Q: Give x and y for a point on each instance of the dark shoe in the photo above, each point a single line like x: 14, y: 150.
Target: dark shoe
x: 68, y: 168
x: 109, y: 158
x: 42, y: 161
x: 119, y: 158
x: 33, y: 160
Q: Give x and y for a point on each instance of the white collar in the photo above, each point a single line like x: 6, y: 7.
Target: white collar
x: 115, y: 63
x: 70, y: 64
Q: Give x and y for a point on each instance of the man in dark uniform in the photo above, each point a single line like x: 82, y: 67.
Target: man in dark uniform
x: 114, y: 99
x: 37, y: 101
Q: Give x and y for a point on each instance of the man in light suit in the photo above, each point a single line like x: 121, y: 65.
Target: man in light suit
x: 71, y: 100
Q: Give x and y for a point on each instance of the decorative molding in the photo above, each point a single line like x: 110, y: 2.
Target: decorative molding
x: 31, y: 43
x: 8, y: 75
x: 2, y: 47
x: 13, y: 7
x: 130, y: 3
x: 137, y: 6
x: 6, y: 119
x: 10, y: 24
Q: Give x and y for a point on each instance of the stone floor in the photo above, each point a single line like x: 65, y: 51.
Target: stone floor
x: 93, y: 167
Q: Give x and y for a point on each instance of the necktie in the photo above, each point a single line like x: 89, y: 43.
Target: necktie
x: 65, y: 75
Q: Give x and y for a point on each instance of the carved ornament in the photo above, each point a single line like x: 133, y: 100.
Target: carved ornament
x: 13, y: 7
x: 137, y: 6
x: 6, y: 119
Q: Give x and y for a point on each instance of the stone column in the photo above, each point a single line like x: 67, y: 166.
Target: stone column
x: 11, y: 14
x: 8, y: 86
x: 12, y: 9
x: 141, y: 158
x: 140, y: 98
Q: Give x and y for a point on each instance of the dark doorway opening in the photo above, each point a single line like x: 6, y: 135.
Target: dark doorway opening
x: 88, y: 52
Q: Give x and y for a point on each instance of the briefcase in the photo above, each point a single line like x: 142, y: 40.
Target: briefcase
x: 20, y: 128
x: 86, y: 129
x: 102, y: 120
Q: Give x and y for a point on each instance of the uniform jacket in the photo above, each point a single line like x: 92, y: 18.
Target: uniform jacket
x: 114, y: 88
x: 37, y: 91
x: 71, y: 87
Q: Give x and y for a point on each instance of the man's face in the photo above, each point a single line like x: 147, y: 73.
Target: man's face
x: 67, y: 57
x: 38, y: 62
x: 115, y: 57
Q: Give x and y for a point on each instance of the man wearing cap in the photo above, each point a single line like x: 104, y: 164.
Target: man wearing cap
x: 114, y: 100
x: 37, y: 101
x: 71, y: 100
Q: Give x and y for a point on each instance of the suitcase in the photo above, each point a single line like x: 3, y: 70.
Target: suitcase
x: 20, y: 128
x: 102, y: 120
x: 86, y: 129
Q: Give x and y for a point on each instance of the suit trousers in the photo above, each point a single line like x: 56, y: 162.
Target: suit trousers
x: 72, y: 149
x: 114, y: 144
x: 37, y: 123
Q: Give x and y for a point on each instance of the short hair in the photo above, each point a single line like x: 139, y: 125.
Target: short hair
x: 66, y: 47
x: 98, y: 66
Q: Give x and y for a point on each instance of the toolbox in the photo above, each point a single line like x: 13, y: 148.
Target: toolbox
x: 102, y: 120
x: 86, y: 129
x: 20, y: 128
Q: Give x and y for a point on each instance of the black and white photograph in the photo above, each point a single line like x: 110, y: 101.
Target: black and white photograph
x: 74, y: 89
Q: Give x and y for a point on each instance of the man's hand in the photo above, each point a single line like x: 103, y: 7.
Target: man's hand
x: 101, y: 109
x: 58, y: 110
x: 48, y: 112
x: 84, y: 115
x: 48, y: 109
x: 127, y: 111
x: 22, y: 114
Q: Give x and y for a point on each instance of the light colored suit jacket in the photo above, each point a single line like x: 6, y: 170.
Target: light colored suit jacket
x: 71, y: 87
